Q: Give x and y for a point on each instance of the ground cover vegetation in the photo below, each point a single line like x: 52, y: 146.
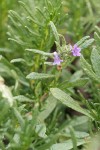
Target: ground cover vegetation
x: 49, y: 75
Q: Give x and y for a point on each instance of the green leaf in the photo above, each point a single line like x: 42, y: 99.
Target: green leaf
x: 14, y: 14
x: 32, y: 32
x: 22, y: 98
x: 86, y: 43
x: 17, y: 60
x: 62, y: 40
x: 95, y: 59
x: 68, y: 101
x: 76, y: 83
x: 77, y: 75
x: 6, y: 50
x: 41, y: 130
x: 48, y: 108
x: 66, y: 145
x: 8, y: 69
x: 78, y: 134
x: 54, y: 31
x: 59, y: 49
x: 97, y: 38
x: 82, y: 40
x: 88, y: 69
x: 48, y: 63
x: 40, y: 52
x: 19, y: 117
x: 27, y: 8
x: 73, y: 138
x: 4, y: 108
x: 16, y: 138
x: 18, y: 41
x: 36, y: 76
x: 5, y: 67
x: 80, y: 123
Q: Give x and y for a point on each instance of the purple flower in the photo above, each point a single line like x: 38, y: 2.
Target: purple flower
x: 57, y: 59
x: 75, y: 50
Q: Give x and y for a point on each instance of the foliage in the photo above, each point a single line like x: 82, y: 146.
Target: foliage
x: 46, y: 106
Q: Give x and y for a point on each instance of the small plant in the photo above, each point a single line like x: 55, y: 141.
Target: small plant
x: 49, y: 85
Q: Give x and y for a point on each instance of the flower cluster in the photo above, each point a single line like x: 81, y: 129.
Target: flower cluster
x: 75, y: 50
x: 57, y: 59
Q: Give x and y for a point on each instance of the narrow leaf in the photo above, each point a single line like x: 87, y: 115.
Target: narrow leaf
x: 22, y: 98
x: 88, y: 69
x: 17, y: 60
x: 40, y: 52
x: 82, y: 40
x: 48, y: 108
x: 95, y: 59
x: 19, y: 117
x: 54, y: 31
x: 66, y: 145
x: 41, y: 130
x: 35, y: 75
x: 68, y: 101
x: 86, y: 43
x: 76, y: 83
